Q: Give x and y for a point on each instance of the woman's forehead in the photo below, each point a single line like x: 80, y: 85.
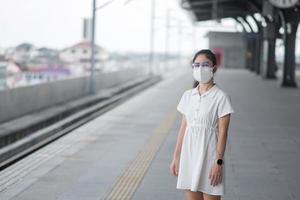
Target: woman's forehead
x: 202, y: 58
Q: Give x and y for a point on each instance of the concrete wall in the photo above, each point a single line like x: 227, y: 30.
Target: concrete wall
x: 233, y: 45
x: 19, y: 101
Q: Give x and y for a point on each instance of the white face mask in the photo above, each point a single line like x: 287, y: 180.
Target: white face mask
x: 203, y: 74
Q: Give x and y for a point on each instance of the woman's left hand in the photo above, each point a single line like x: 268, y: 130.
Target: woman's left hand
x: 215, y: 174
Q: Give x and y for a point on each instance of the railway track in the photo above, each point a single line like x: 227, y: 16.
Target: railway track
x: 14, y: 152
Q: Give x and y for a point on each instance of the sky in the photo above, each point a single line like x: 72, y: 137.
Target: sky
x: 58, y: 24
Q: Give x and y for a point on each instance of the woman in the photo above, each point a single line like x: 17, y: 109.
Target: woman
x: 198, y: 159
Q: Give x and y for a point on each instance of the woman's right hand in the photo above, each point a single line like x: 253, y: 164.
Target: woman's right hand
x: 174, y: 166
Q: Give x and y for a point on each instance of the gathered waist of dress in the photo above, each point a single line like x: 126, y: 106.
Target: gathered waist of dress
x: 193, y: 125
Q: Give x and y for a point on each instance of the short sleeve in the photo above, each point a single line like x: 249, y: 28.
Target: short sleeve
x: 182, y: 105
x: 225, y: 106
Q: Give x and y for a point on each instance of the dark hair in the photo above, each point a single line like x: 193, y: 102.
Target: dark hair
x: 208, y: 53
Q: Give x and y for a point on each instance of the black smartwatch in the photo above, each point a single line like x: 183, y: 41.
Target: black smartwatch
x: 220, y: 161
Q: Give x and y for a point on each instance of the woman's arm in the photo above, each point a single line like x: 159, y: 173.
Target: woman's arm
x: 180, y: 138
x: 223, y: 124
x: 216, y: 170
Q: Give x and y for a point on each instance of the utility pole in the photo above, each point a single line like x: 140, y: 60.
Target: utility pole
x: 194, y: 38
x: 92, y: 89
x: 152, y: 26
x: 215, y: 11
x: 179, y: 41
x: 167, y: 37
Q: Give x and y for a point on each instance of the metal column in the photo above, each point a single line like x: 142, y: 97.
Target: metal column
x: 289, y: 20
x: 258, y: 45
x: 268, y: 64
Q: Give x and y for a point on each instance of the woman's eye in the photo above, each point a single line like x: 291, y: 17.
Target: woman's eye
x: 204, y: 64
x: 196, y: 65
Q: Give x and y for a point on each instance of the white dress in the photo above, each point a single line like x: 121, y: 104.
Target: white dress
x: 199, y: 144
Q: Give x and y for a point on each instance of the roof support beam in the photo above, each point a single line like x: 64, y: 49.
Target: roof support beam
x: 207, y: 2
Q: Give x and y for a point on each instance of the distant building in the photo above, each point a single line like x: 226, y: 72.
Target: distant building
x: 2, y: 52
x: 2, y: 74
x: 26, y: 55
x: 13, y: 74
x: 230, y: 47
x: 2, y: 57
x: 45, y: 66
x: 44, y: 74
x: 80, y: 55
x: 46, y: 55
x: 21, y: 53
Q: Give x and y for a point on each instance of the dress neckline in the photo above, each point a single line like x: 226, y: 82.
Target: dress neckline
x: 206, y: 92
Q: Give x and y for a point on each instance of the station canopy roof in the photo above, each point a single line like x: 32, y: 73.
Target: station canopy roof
x: 218, y: 9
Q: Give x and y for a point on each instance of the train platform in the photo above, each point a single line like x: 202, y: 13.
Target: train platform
x: 126, y: 152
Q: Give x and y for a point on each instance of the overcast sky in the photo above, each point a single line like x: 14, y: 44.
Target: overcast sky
x: 58, y: 24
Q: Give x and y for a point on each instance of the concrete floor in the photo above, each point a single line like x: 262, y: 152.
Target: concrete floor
x: 261, y: 154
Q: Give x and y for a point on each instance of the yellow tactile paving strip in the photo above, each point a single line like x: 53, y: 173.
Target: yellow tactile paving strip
x: 130, y: 179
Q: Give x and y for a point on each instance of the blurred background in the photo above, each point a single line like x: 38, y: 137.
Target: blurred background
x: 42, y: 41
x: 49, y: 40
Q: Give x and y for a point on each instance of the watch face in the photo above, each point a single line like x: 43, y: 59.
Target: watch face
x: 219, y: 161
x: 283, y: 3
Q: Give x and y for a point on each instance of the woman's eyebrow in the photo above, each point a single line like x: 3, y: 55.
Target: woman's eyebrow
x: 204, y: 62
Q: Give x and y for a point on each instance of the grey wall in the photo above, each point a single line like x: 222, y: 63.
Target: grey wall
x: 19, y: 101
x: 234, y: 48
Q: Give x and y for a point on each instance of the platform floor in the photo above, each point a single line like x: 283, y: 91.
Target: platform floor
x: 127, y: 151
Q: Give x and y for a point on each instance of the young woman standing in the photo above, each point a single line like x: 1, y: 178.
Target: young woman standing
x: 198, y: 159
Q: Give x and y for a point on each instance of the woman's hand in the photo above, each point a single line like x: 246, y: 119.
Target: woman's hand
x: 215, y: 174
x: 174, y: 166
